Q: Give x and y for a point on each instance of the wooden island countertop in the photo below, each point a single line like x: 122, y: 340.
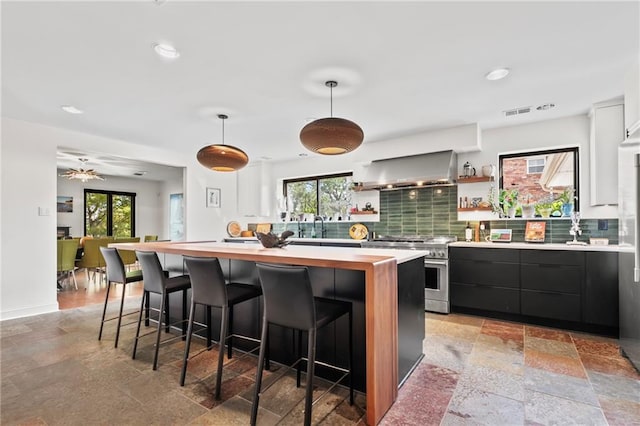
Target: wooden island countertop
x: 381, y: 298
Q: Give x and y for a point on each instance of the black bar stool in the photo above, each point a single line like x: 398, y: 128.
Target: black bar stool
x: 208, y: 288
x: 156, y: 281
x: 116, y: 274
x: 289, y: 302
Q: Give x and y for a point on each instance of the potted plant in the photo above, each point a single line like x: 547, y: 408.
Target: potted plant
x: 567, y: 198
x: 528, y: 207
x: 509, y: 201
x: 544, y: 208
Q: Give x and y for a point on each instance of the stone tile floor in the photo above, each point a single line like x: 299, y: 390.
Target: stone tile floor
x: 475, y: 371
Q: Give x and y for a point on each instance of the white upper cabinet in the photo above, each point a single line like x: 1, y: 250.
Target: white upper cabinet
x: 254, y: 191
x: 607, y: 131
x: 632, y: 102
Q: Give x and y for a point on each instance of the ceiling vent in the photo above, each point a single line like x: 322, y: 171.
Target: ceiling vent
x: 517, y: 111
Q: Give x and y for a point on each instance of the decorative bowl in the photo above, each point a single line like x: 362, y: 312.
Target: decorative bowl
x: 270, y: 240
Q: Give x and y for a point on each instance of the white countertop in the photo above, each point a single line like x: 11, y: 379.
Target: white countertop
x: 537, y: 246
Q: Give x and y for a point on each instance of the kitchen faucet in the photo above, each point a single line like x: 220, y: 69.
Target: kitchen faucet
x: 323, y: 232
x: 300, y: 230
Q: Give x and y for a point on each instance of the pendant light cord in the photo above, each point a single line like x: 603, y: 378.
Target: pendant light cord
x: 331, y: 96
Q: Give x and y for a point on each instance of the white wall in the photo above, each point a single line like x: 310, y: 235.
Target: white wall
x: 28, y: 273
x: 28, y: 288
x: 150, y: 210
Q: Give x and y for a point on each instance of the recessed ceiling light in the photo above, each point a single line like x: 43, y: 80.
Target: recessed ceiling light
x: 140, y: 173
x: 71, y: 109
x: 166, y: 50
x: 302, y: 154
x: 497, y: 74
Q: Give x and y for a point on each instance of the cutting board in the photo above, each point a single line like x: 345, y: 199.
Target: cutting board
x: 264, y: 228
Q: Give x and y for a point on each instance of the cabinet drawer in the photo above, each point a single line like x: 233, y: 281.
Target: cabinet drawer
x: 553, y: 257
x: 551, y: 305
x: 484, y: 273
x: 486, y: 298
x: 487, y: 255
x: 549, y: 277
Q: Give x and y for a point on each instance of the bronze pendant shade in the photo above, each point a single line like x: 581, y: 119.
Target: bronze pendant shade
x: 332, y: 135
x: 221, y: 157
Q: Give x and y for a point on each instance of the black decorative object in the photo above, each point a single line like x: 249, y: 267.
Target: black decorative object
x: 271, y: 240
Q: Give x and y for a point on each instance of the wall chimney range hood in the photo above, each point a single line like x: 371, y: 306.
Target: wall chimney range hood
x: 437, y: 168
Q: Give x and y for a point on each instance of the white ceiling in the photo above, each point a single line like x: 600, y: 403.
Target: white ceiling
x: 402, y: 67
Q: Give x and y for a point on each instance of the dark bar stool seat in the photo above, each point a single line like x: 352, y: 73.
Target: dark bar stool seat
x: 116, y: 274
x: 156, y: 281
x: 289, y: 302
x: 208, y: 288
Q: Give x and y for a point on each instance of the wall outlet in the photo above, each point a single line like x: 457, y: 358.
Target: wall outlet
x: 485, y: 225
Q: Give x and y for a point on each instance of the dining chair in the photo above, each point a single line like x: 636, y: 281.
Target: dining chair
x: 66, y: 259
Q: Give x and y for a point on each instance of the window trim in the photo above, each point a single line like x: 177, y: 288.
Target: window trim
x: 110, y: 195
x: 317, y: 178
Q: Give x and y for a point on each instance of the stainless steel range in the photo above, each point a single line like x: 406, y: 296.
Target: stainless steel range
x: 436, y: 264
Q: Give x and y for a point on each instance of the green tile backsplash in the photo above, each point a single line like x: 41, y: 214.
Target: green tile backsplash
x: 433, y: 211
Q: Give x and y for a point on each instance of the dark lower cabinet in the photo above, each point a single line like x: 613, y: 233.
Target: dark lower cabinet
x: 601, y: 289
x: 570, y: 288
x: 487, y: 279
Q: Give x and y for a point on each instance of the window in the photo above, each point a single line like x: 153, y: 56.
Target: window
x: 546, y: 179
x: 109, y: 213
x: 535, y: 165
x: 325, y: 196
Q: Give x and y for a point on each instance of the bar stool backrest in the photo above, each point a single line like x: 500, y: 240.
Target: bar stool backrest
x: 115, y: 266
x: 288, y: 297
x: 154, y: 278
x: 208, y: 286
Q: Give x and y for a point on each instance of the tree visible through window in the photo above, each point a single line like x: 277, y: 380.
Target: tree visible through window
x: 109, y: 213
x: 319, y: 195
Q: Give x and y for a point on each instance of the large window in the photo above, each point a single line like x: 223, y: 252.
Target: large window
x: 109, y: 213
x: 326, y: 196
x: 547, y: 179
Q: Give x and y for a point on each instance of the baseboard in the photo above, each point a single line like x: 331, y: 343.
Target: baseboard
x: 28, y: 312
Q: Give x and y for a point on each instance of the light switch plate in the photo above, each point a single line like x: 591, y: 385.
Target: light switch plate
x: 43, y: 211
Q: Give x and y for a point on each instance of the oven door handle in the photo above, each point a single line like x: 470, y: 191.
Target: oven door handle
x: 429, y: 262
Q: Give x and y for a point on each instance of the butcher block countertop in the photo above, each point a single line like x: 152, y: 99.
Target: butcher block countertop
x: 380, y: 268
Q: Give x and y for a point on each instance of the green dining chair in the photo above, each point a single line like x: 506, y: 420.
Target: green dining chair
x: 66, y: 259
x: 128, y: 256
x: 148, y: 238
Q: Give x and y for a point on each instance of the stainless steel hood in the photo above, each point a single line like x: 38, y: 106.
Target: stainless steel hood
x: 437, y: 168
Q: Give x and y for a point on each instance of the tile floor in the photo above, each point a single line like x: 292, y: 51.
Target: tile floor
x: 475, y: 371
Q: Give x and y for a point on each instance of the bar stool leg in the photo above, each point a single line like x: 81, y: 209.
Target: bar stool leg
x: 310, y: 372
x: 187, y: 345
x: 208, y: 322
x: 223, y: 336
x: 184, y: 314
x: 167, y: 327
x: 124, y: 287
x: 298, y: 356
x: 256, y: 394
x: 104, y: 311
x: 230, y: 342
x: 147, y: 310
x: 164, y: 300
x: 145, y: 299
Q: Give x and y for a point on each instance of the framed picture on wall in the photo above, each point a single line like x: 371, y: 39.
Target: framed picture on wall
x: 65, y: 204
x: 213, y: 197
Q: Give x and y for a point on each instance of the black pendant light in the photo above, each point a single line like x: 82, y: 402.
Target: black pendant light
x: 221, y: 157
x: 332, y: 135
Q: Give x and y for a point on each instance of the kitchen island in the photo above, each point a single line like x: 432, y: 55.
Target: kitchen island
x: 376, y: 272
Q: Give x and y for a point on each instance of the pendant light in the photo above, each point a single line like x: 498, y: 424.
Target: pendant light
x: 221, y: 157
x: 332, y: 135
